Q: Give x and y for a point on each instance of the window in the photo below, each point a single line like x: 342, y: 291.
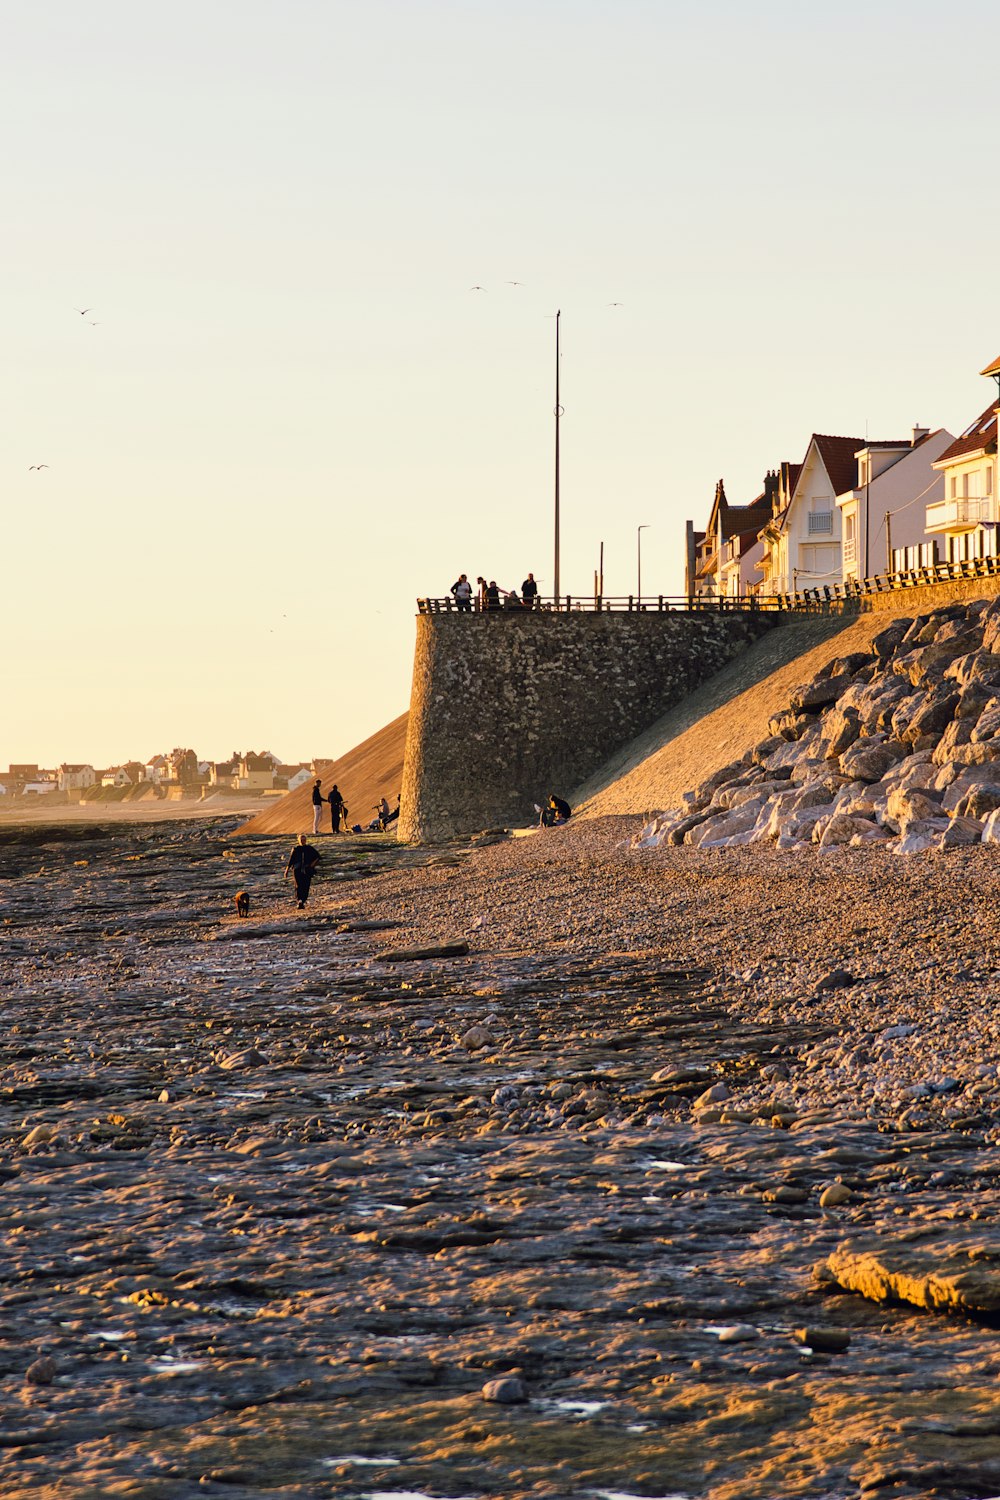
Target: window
x: 954, y: 489
x: 988, y: 480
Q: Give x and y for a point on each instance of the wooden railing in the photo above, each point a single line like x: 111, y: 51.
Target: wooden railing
x: 828, y: 598
x: 619, y: 603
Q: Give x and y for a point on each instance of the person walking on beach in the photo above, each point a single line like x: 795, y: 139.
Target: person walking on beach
x: 302, y: 863
x: 317, y: 803
x: 529, y: 591
x: 336, y: 802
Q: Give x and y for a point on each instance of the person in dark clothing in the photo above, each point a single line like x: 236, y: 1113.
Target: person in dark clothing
x: 555, y: 812
x: 336, y: 802
x: 302, y: 862
x: 492, y: 595
x: 317, y: 801
x: 529, y: 591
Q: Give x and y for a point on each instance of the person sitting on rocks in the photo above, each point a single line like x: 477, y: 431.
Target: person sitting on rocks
x: 302, y: 862
x: 555, y: 813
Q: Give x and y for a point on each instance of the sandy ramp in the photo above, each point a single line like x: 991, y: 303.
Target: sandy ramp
x: 371, y: 770
x: 722, y: 718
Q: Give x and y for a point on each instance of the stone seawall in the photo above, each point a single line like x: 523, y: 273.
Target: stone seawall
x: 931, y: 595
x: 507, y: 708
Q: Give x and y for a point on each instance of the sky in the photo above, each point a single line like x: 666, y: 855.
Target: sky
x: 284, y: 414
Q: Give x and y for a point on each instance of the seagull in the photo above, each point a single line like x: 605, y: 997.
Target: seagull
x: 477, y: 289
x: 83, y: 311
x: 515, y: 283
x: 36, y: 466
x: 616, y: 304
x: 93, y: 325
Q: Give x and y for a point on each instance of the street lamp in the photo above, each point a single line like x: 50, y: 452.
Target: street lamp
x: 638, y: 561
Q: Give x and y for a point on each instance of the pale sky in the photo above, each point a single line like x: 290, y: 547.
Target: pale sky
x: 293, y: 416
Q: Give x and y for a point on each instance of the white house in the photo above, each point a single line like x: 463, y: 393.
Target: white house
x: 74, y: 778
x: 38, y: 788
x: 802, y: 539
x: 965, y: 517
x: 883, y: 515
x: 116, y: 776
x: 299, y: 779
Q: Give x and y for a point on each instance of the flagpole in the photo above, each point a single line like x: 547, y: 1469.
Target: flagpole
x: 558, y: 415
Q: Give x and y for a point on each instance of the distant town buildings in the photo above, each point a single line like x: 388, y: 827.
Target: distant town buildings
x: 853, y: 508
x: 175, y: 774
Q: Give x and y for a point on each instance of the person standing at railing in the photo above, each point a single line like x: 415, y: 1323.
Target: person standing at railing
x: 492, y: 595
x: 529, y: 591
x: 481, y: 594
x: 462, y: 591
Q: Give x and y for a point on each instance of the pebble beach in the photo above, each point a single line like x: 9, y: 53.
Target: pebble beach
x: 664, y: 1172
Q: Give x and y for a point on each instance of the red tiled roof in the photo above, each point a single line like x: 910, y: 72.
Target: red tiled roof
x: 993, y: 369
x: 978, y: 436
x: 837, y: 454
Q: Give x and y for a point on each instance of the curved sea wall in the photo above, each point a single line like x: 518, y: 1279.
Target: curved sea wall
x: 506, y: 708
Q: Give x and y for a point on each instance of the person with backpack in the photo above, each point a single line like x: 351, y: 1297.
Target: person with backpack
x: 336, y: 802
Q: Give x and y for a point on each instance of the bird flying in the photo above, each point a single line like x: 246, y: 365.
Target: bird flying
x: 83, y: 311
x: 36, y: 466
x: 616, y: 304
x: 477, y: 289
x: 515, y: 283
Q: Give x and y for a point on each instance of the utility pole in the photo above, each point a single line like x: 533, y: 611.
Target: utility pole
x: 638, y: 558
x: 868, y: 479
x: 558, y: 414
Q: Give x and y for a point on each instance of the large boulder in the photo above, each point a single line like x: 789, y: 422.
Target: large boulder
x: 820, y: 693
x: 720, y: 827
x: 791, y: 725
x: 909, y: 805
x: 840, y: 828
x: 975, y: 666
x: 935, y: 712
x: 988, y: 723
x: 839, y: 729
x: 953, y: 736
x: 885, y: 643
x: 868, y: 759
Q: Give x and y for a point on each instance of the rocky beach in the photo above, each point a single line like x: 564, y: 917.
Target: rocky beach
x: 513, y: 1167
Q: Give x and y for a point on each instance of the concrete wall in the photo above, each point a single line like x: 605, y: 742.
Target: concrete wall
x: 507, y: 708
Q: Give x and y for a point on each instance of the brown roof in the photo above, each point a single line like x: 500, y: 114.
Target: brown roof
x: 977, y: 437
x: 993, y: 369
x: 837, y: 454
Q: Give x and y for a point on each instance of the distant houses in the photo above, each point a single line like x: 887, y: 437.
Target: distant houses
x: 173, y: 775
x: 853, y: 508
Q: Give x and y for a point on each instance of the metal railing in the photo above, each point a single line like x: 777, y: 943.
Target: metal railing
x: 828, y: 598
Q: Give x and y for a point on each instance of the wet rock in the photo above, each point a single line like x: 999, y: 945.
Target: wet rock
x: 835, y: 1196
x: 508, y: 1390
x: 940, y: 1271
x: 41, y: 1371
x: 436, y: 950
x: 824, y: 1340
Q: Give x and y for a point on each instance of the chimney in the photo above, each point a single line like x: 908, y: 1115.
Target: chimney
x: 919, y: 433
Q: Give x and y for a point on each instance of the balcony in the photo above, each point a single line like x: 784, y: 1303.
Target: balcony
x: 850, y: 551
x: 961, y: 511
x: 821, y: 523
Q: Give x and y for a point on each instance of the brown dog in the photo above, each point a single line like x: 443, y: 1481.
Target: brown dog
x: 242, y: 903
